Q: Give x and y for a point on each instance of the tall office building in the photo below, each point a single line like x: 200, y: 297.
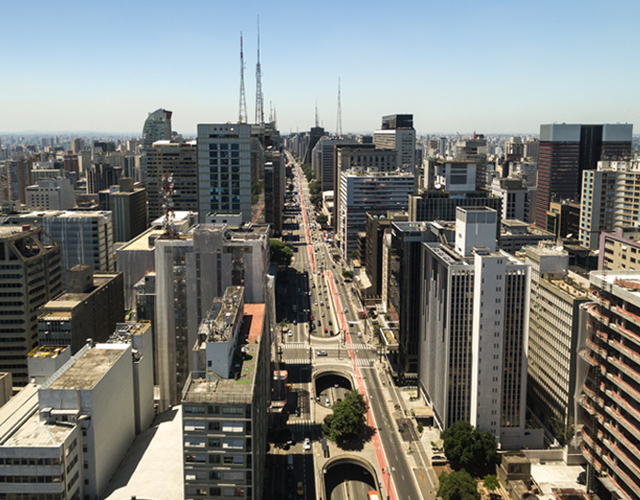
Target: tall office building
x: 84, y: 237
x: 474, y: 328
x: 397, y: 133
x: 554, y: 330
x: 156, y: 127
x: 610, y: 402
x: 179, y: 160
x: 362, y: 192
x: 401, y: 285
x: 323, y: 160
x: 515, y: 196
x: 567, y: 150
x: 225, y: 403
x: 224, y: 169
x: 32, y: 276
x: 50, y: 194
x: 128, y: 204
x: 274, y: 190
x: 191, y: 271
x: 610, y: 198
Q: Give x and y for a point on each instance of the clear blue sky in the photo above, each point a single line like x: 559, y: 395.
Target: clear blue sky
x: 490, y: 66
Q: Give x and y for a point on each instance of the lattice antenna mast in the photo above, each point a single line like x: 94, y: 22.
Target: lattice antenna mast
x: 317, y: 125
x: 167, y: 189
x: 242, y: 113
x: 339, y: 119
x: 259, y: 97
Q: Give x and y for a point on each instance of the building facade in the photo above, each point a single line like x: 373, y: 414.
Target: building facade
x: 31, y: 276
x: 610, y: 197
x: 156, y: 127
x: 566, y: 150
x: 609, y: 400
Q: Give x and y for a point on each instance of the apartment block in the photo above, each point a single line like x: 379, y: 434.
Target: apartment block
x: 610, y: 197
x: 610, y: 397
x: 619, y: 249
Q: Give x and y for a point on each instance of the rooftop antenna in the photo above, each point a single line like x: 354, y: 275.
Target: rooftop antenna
x: 317, y: 113
x: 167, y: 224
x: 242, y: 114
x: 339, y: 120
x: 259, y: 97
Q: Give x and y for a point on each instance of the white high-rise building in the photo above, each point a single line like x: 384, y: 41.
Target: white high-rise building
x: 610, y: 198
x: 224, y: 169
x: 474, y: 330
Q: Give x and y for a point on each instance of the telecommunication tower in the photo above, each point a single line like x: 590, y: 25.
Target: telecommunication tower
x: 242, y: 114
x: 339, y: 119
x: 167, y: 189
x: 259, y: 97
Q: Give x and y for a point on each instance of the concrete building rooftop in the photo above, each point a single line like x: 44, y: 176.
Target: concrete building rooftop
x: 36, y: 432
x: 16, y: 409
x: 87, y: 370
x: 208, y: 387
x: 553, y: 475
x: 46, y: 351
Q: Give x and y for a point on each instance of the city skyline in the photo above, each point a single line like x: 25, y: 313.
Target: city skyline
x: 493, y: 67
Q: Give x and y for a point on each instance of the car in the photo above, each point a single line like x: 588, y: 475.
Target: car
x: 307, y: 444
x: 321, y: 353
x: 316, y: 302
x: 290, y: 481
x: 326, y: 331
x: 331, y: 333
x: 295, y: 322
x: 311, y: 317
x: 298, y: 411
x: 313, y: 285
x: 323, y: 315
x: 359, y: 334
x: 321, y: 303
x: 330, y: 323
x: 345, y: 310
x: 290, y: 333
x: 300, y: 489
x: 327, y: 402
x: 309, y: 293
x: 319, y: 323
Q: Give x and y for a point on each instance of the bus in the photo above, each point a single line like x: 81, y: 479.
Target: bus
x: 373, y: 495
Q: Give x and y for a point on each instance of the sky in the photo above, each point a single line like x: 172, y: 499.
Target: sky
x: 492, y: 66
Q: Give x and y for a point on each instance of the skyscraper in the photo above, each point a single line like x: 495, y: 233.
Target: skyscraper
x: 224, y: 169
x: 566, y: 150
x: 33, y: 277
x: 474, y: 329
x: 156, y: 127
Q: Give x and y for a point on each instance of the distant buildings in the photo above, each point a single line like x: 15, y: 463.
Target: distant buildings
x: 50, y: 194
x: 156, y: 127
x: 397, y: 133
x: 566, y: 150
x: 128, y: 205
x: 31, y: 276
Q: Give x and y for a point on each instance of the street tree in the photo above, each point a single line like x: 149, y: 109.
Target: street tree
x: 467, y: 447
x: 280, y: 253
x: 322, y: 219
x: 458, y: 485
x: 348, y: 418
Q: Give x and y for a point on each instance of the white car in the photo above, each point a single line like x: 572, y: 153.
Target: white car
x: 290, y: 333
x: 307, y: 444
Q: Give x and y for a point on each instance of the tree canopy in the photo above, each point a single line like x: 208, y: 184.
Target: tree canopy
x: 467, y: 447
x: 348, y: 418
x: 280, y: 253
x: 458, y: 485
x: 322, y: 219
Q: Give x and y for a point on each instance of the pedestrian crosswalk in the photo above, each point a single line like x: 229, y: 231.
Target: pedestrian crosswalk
x: 305, y: 345
x: 363, y: 362
x: 296, y: 345
x: 303, y: 426
x: 359, y: 346
x: 301, y: 361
